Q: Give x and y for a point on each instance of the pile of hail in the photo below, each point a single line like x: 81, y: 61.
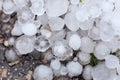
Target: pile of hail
x: 77, y: 37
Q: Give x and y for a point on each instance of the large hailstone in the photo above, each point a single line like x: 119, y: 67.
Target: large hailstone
x: 24, y: 44
x: 61, y: 50
x: 37, y: 7
x: 87, y: 45
x: 29, y: 29
x: 42, y: 44
x: 75, y: 41
x: 8, y: 7
x: 111, y: 61
x: 71, y: 22
x: 43, y: 72
x: 56, y: 24
x: 101, y: 50
x: 55, y: 8
x: 101, y: 72
x: 74, y: 68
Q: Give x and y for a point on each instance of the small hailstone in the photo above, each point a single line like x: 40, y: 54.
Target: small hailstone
x: 88, y: 24
x: 56, y: 24
x: 71, y: 22
x: 75, y: 41
x: 111, y: 61
x: 94, y: 33
x: 95, y: 11
x: 24, y: 44
x: 17, y: 29
x: 42, y: 44
x: 11, y: 41
x: 5, y: 18
x: 54, y: 8
x: 101, y: 50
x: 87, y: 73
x: 29, y: 29
x: 87, y: 45
x: 106, y: 31
x: 11, y: 55
x: 101, y: 72
x: 61, y: 50
x: 63, y: 70
x: 74, y: 68
x: 82, y: 15
x: 8, y: 7
x: 84, y: 58
x: 43, y: 72
x: 46, y: 33
x: 55, y: 64
x: 37, y: 7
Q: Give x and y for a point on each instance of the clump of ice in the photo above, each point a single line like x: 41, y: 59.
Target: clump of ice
x: 43, y: 72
